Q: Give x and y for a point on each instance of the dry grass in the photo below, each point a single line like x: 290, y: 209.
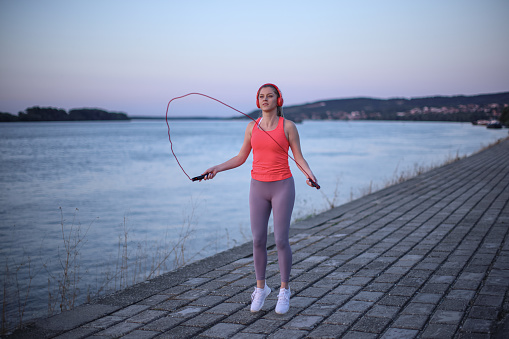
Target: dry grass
x: 66, y: 289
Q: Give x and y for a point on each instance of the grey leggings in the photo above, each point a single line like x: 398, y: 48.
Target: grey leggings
x: 278, y: 196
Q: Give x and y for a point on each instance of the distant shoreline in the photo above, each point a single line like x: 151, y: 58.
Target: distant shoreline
x: 490, y: 107
x: 180, y: 118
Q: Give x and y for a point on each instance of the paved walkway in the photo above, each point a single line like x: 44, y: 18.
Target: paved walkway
x: 428, y: 258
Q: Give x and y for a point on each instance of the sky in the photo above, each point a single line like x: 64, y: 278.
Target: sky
x: 134, y: 56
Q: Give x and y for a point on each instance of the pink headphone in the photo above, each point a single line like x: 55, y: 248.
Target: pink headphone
x: 279, y: 99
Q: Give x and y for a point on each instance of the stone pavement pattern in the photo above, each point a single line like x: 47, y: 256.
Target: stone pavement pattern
x: 427, y: 258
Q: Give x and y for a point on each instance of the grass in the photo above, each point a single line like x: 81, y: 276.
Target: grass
x: 66, y: 289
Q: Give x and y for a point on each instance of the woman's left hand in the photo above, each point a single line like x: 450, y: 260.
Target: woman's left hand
x: 313, y: 182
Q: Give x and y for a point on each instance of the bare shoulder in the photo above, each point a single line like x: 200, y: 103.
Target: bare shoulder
x: 250, y: 125
x: 290, y: 126
x: 249, y: 128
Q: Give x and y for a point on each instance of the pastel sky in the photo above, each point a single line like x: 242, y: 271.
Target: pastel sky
x: 134, y: 56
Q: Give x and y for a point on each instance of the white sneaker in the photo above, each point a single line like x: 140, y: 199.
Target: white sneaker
x: 258, y: 298
x: 283, y: 301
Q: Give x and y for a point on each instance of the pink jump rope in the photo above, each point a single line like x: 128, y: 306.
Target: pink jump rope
x: 280, y: 103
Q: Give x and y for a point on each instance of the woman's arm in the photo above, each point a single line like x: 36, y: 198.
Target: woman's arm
x: 237, y: 160
x: 293, y: 138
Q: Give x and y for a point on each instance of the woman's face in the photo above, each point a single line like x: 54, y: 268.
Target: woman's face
x: 267, y: 99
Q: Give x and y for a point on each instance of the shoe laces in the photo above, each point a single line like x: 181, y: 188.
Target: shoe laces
x: 284, y: 296
x: 257, y: 294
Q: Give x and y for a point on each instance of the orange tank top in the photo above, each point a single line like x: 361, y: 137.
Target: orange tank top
x: 270, y: 160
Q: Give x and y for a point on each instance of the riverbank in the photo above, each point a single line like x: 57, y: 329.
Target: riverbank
x: 428, y: 257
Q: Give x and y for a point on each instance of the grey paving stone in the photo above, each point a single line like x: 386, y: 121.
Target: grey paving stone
x: 356, y: 306
x: 303, y: 322
x: 410, y: 321
x: 342, y: 318
x: 483, y: 312
x: 181, y: 332
x: 119, y: 329
x: 175, y: 290
x: 105, y: 322
x: 80, y: 332
x: 187, y: 312
x: 129, y: 311
x: 477, y: 325
x: 226, y: 308
x: 265, y: 326
x: 314, y: 292
x: 388, y: 278
x: 170, y: 305
x: 139, y: 334
x: 418, y: 308
x: 488, y: 300
x: 192, y: 294
x: 371, y: 324
x: 368, y: 296
x: 333, y: 299
x: 288, y: 333
x: 379, y: 287
x: 243, y: 317
x: 346, y: 289
x: 359, y: 335
x: 208, y: 301
x: 357, y: 281
x: 204, y: 320
x: 154, y: 300
x: 461, y: 294
x: 427, y: 298
x: 403, y: 291
x: 162, y: 324
x: 323, y: 310
x: 399, y: 333
x: 383, y: 311
x: 393, y: 300
x: 248, y: 336
x: 434, y: 288
x: 449, y: 304
x: 222, y: 330
x: 325, y: 331
x: 447, y: 317
x: 298, y: 302
x: 228, y: 290
x: 441, y: 331
x: 71, y: 319
x: 147, y: 316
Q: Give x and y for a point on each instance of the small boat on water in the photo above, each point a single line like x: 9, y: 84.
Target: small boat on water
x: 494, y: 124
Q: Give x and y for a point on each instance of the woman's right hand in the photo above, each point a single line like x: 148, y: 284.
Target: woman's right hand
x: 210, y: 173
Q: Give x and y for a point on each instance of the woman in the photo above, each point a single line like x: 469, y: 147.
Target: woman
x: 272, y: 188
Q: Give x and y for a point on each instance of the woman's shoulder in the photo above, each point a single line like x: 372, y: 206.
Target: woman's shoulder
x: 289, y: 125
x: 250, y: 125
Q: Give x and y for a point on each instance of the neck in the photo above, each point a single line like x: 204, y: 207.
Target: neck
x: 270, y: 115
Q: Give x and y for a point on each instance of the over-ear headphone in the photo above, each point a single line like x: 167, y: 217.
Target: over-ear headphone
x: 279, y: 99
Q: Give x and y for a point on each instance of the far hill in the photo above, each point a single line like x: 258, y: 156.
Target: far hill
x: 439, y: 108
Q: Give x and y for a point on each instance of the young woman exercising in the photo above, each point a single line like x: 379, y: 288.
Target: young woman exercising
x: 272, y: 188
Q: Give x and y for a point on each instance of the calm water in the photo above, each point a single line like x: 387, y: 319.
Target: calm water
x: 112, y: 180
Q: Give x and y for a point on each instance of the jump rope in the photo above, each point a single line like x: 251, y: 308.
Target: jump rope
x: 201, y: 177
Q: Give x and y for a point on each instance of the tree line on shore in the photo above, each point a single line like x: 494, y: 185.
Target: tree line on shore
x: 56, y: 114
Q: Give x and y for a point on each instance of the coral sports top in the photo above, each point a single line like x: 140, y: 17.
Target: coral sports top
x: 270, y: 160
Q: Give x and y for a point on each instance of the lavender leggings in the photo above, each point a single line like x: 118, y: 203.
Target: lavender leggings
x: 278, y: 196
